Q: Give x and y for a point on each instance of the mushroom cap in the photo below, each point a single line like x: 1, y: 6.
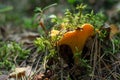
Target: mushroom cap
x: 76, y: 39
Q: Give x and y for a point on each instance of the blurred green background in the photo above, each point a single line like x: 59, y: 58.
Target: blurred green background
x: 21, y: 13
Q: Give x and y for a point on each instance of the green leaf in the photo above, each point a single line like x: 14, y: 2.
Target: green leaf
x: 71, y: 1
x: 5, y: 9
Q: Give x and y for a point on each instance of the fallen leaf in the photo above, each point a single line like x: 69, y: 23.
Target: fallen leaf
x: 114, y: 30
x: 21, y: 72
x: 39, y: 76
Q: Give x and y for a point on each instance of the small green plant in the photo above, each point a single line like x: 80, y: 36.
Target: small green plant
x: 4, y: 8
x: 44, y: 45
x: 41, y: 43
x: 39, y: 12
x: 29, y: 23
x: 74, y: 20
x: 11, y: 54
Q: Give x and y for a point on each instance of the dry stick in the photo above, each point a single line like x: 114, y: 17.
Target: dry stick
x: 109, y: 69
x: 30, y: 76
x: 60, y: 65
x: 61, y: 70
x: 117, y: 65
x: 15, y: 59
x: 99, y: 62
x: 91, y: 56
x: 100, y: 78
x: 109, y: 74
x: 94, y: 57
x: 44, y: 63
x: 37, y: 63
x: 23, y: 78
x: 35, y: 70
x: 100, y: 59
x: 113, y: 45
x: 118, y: 75
x: 43, y: 27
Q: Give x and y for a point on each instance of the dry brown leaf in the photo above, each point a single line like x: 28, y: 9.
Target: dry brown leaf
x: 39, y: 76
x: 114, y: 30
x: 21, y: 72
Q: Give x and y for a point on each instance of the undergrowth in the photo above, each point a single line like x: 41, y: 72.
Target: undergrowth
x: 11, y: 54
x: 101, y: 59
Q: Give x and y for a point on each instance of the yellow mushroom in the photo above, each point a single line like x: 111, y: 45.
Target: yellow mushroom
x: 76, y: 39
